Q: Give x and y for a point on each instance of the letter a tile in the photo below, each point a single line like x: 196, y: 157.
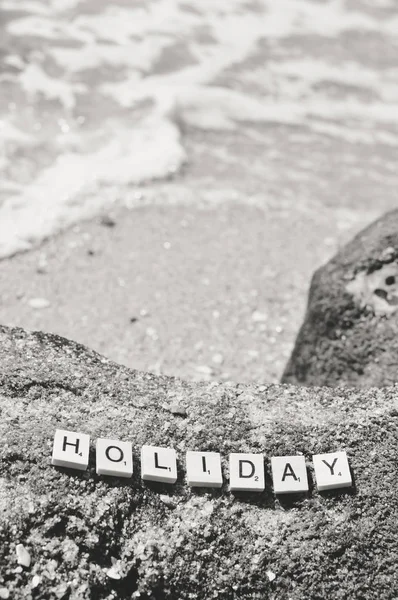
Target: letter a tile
x: 204, y: 469
x: 114, y: 458
x: 70, y: 449
x: 332, y: 470
x: 289, y: 474
x: 158, y: 464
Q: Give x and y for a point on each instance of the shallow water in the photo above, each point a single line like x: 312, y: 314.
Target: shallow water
x: 274, y: 103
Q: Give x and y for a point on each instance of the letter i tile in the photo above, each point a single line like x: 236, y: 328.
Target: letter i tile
x: 70, y: 449
x: 332, y: 470
x: 204, y: 469
x: 114, y: 458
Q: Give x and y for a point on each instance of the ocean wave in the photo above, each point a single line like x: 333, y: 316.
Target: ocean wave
x: 97, y: 95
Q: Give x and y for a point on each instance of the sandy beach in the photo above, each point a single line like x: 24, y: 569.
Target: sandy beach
x: 212, y: 291
x: 167, y: 203
x: 172, y: 173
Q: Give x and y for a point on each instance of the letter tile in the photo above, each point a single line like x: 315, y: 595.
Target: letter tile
x: 332, y: 470
x: 158, y: 464
x: 70, y: 449
x: 204, y: 469
x: 289, y: 474
x: 114, y: 458
x: 246, y: 472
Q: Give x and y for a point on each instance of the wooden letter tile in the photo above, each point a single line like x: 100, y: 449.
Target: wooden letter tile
x: 70, y: 450
x: 158, y: 464
x: 114, y: 458
x: 204, y: 469
x: 289, y: 474
x: 332, y: 470
x: 246, y: 472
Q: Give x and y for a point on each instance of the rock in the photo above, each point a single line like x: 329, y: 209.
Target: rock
x: 212, y: 544
x: 167, y: 501
x: 36, y: 580
x: 350, y: 331
x: 23, y: 556
x: 176, y: 409
x: 113, y: 573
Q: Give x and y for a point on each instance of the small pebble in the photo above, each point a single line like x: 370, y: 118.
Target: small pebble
x: 176, y: 409
x: 36, y: 580
x: 271, y: 576
x: 107, y: 221
x: 38, y: 303
x: 23, y: 556
x: 167, y: 501
x: 204, y: 369
x: 388, y: 253
x: 4, y: 593
x: 259, y: 317
x: 151, y: 332
x: 113, y: 573
x: 218, y: 358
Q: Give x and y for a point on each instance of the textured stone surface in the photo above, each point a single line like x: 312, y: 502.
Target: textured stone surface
x: 350, y: 331
x: 96, y: 537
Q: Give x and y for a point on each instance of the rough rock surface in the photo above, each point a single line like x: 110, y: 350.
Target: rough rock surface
x: 82, y: 536
x: 350, y: 332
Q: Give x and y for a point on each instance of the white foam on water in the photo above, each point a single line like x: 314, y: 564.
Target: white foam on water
x: 35, y: 82
x: 69, y: 190
x: 105, y: 60
x: 25, y: 6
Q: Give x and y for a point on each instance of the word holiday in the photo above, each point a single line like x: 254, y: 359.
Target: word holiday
x: 115, y: 458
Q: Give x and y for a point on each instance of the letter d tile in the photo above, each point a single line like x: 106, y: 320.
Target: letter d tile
x: 246, y: 472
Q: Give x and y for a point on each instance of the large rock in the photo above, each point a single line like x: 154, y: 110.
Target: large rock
x: 102, y: 537
x: 350, y: 332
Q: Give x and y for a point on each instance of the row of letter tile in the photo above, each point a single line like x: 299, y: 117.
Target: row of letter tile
x: 289, y: 473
